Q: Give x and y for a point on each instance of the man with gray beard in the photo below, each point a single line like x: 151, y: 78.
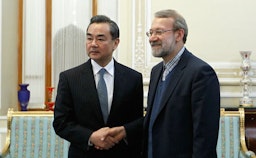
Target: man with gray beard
x: 183, y: 107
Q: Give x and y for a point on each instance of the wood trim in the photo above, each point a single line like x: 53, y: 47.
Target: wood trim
x: 20, y: 47
x: 48, y: 46
x: 94, y: 7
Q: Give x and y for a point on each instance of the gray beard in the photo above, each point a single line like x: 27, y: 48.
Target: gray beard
x: 160, y: 53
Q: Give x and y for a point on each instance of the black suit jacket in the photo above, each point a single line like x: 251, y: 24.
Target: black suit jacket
x: 188, y: 120
x: 77, y: 110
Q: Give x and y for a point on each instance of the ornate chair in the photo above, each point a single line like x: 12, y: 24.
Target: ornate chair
x: 231, y: 140
x: 30, y: 134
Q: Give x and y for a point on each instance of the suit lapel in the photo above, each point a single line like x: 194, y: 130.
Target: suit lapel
x: 177, y: 73
x: 154, y: 79
x: 119, y: 76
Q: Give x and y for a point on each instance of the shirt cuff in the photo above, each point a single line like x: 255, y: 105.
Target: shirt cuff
x: 90, y: 143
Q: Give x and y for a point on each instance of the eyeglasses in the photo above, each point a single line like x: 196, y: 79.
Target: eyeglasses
x: 157, y: 32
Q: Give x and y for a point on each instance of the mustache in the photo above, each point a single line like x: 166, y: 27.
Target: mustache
x: 93, y: 50
x: 155, y: 43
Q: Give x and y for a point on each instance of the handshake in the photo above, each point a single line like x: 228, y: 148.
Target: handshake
x: 105, y: 138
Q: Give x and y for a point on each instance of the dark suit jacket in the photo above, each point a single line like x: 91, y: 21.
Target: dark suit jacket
x: 77, y: 111
x: 188, y: 120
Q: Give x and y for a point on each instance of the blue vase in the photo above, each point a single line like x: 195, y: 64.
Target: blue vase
x: 23, y: 96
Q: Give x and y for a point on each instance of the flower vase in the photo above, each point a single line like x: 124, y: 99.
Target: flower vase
x: 50, y: 106
x: 50, y: 103
x: 23, y: 96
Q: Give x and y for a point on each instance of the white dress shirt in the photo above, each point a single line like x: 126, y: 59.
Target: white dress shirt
x: 108, y: 77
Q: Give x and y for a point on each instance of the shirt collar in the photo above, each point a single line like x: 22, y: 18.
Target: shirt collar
x: 109, y: 68
x: 175, y: 59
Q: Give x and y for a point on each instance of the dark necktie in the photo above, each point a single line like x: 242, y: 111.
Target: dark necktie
x: 103, y: 94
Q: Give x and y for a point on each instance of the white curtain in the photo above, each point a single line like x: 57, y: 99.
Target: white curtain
x: 34, y: 50
x: 69, y: 22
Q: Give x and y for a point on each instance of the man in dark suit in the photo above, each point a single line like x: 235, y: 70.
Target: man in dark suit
x: 78, y: 116
x: 183, y: 107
